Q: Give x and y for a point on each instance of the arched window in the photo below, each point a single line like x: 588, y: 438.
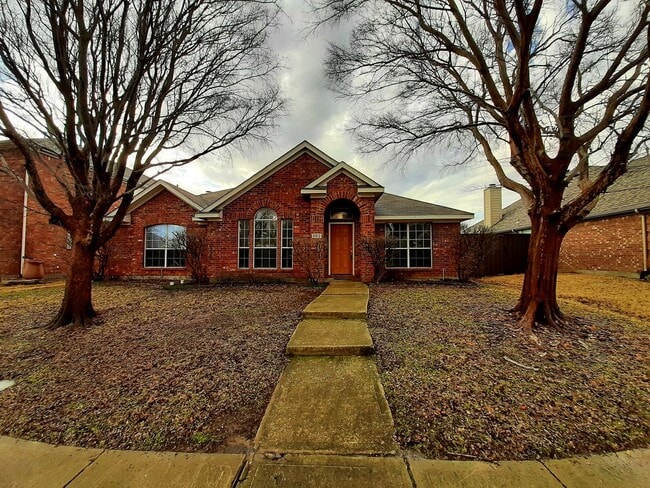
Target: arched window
x: 164, y: 246
x: 266, y: 239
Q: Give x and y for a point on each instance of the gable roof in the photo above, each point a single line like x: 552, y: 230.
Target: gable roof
x: 319, y: 185
x: 627, y: 194
x: 286, y: 158
x: 197, y: 202
x: 392, y: 208
x: 388, y: 207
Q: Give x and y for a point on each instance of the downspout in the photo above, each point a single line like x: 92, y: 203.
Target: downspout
x: 644, y: 240
x: 23, y: 237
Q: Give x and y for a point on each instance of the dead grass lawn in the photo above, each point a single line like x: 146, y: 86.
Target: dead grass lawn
x: 441, y: 351
x: 184, y: 369
x: 623, y: 295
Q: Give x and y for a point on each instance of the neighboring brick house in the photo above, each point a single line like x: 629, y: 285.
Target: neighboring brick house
x: 304, y: 194
x: 24, y: 226
x: 612, y: 238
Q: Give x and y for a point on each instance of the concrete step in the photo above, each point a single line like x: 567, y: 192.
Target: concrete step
x: 328, y: 405
x: 330, y: 337
x: 337, y: 306
x: 346, y: 288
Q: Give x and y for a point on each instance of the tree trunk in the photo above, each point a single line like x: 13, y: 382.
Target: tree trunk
x: 77, y: 308
x: 538, y: 301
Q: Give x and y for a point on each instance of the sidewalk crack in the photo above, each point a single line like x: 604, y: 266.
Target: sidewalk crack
x: 92, y: 461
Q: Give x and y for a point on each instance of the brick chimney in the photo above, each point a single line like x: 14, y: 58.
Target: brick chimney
x: 492, y: 205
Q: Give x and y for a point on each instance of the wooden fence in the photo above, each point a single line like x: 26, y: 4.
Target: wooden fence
x: 508, y: 255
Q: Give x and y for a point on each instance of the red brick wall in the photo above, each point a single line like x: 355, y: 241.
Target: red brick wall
x: 127, y: 256
x: 280, y: 192
x: 613, y: 244
x: 45, y: 242
x: 11, y: 216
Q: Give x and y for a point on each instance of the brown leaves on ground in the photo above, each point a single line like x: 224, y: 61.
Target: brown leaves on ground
x: 441, y: 354
x: 189, y: 369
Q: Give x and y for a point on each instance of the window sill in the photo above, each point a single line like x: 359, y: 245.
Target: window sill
x: 165, y: 267
x: 412, y: 267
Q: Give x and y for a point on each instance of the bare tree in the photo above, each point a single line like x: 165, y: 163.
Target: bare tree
x: 546, y: 86
x: 197, y: 253
x: 102, y: 258
x: 117, y: 88
x: 310, y: 255
x: 378, y: 250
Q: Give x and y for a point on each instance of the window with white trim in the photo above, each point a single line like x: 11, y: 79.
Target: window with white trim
x: 412, y: 245
x: 287, y: 244
x: 163, y: 246
x: 244, y: 251
x: 265, y: 239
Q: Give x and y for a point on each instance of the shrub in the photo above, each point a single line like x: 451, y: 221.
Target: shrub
x: 310, y: 255
x: 378, y: 250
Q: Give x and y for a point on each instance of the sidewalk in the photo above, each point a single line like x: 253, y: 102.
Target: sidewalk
x: 327, y: 425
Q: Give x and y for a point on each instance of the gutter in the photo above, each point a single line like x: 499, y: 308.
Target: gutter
x: 23, y: 237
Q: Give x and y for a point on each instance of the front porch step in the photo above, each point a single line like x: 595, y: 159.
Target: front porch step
x: 330, y: 337
x: 346, y: 288
x: 343, y: 306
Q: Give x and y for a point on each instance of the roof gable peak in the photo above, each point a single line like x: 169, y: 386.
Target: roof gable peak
x: 269, y: 170
x: 343, y: 167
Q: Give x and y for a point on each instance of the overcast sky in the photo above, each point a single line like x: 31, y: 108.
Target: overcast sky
x: 315, y: 114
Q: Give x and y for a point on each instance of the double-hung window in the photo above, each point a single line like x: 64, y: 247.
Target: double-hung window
x: 164, y: 246
x: 244, y: 251
x: 265, y: 239
x: 412, y: 247
x: 287, y: 244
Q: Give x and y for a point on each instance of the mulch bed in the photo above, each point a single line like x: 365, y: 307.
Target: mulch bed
x: 162, y: 368
x: 441, y: 353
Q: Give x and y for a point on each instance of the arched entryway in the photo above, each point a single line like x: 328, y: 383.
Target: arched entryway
x: 341, y: 220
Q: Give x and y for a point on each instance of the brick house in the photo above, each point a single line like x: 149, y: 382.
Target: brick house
x: 304, y: 195
x: 613, y: 238
x: 25, y: 229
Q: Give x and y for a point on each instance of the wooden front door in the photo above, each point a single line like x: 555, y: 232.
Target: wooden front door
x: 341, y: 249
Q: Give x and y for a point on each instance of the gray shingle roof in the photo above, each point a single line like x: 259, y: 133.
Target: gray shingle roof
x: 631, y: 191
x: 390, y: 205
x: 203, y: 199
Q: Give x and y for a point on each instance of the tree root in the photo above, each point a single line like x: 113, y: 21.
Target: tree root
x: 65, y: 317
x: 540, y: 314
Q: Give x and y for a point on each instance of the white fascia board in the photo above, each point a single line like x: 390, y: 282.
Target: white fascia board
x: 428, y: 218
x: 269, y: 170
x: 202, y: 216
x: 345, y: 168
x: 372, y: 190
x: 313, y: 191
x: 154, y: 190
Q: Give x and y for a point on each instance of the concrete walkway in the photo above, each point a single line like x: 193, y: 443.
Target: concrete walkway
x: 327, y: 425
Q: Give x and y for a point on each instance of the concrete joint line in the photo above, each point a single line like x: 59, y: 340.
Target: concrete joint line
x: 409, y: 471
x: 553, y: 474
x: 92, y: 461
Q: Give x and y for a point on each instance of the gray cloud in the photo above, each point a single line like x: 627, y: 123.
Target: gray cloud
x: 315, y: 114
